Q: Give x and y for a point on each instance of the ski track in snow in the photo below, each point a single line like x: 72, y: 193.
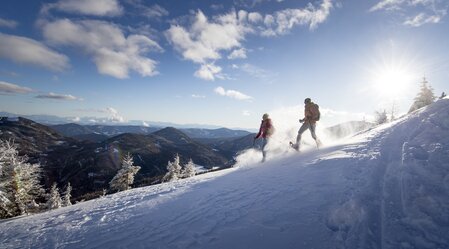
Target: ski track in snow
x: 386, y: 188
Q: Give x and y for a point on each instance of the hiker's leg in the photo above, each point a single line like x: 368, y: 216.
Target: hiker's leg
x: 312, y: 128
x: 301, y: 130
x: 264, y: 144
x: 312, y: 131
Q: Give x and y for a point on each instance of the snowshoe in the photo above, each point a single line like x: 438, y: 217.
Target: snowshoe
x: 294, y: 146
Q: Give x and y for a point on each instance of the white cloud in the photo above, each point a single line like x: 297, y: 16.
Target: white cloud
x: 8, y: 23
x: 114, y: 115
x: 24, y: 50
x: 283, y: 21
x: 197, y: 96
x: 255, y: 17
x: 9, y: 88
x: 388, y: 5
x: 237, y: 54
x: 246, y: 113
x: 76, y: 119
x: 205, y: 39
x: 422, y: 19
x: 87, y: 7
x: 145, y: 124
x: 416, y: 12
x: 208, y: 72
x: 113, y: 53
x: 232, y: 94
x: 58, y: 96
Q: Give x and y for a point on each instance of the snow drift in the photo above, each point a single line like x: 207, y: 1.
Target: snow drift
x: 385, y: 188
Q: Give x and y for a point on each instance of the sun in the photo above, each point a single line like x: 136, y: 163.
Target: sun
x: 390, y: 80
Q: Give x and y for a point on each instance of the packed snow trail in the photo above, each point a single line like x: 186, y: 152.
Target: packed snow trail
x: 385, y: 188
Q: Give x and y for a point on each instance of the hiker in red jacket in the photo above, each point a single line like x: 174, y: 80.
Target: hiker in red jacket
x: 265, y: 131
x: 311, y: 116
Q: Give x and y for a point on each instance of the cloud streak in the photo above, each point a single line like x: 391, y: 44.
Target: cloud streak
x: 28, y: 51
x: 151, y: 12
x: 232, y: 94
x: 58, y: 96
x: 8, y: 23
x: 197, y: 96
x: 418, y: 12
x: 9, y: 88
x: 86, y: 7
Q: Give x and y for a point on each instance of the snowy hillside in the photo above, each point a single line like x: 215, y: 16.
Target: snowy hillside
x: 385, y: 188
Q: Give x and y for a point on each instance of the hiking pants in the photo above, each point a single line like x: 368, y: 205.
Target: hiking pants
x: 306, y: 125
x: 264, y: 143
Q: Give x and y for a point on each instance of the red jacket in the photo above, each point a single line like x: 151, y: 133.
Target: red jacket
x: 266, y: 129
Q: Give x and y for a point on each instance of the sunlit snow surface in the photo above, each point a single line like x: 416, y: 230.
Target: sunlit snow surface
x: 384, y: 188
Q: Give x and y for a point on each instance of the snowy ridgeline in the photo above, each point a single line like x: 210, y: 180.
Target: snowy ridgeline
x: 385, y: 188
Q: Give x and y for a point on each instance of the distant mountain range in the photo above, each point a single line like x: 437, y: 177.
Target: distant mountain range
x: 55, y: 120
x: 99, y: 133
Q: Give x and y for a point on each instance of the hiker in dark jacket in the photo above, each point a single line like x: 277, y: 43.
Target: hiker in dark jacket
x: 311, y: 116
x: 265, y: 131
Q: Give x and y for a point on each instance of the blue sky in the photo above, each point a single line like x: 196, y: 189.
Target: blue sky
x: 220, y: 63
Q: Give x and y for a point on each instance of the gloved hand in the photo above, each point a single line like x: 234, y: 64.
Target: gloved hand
x: 301, y: 121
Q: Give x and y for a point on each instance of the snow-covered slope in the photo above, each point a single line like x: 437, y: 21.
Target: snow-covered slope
x: 385, y: 188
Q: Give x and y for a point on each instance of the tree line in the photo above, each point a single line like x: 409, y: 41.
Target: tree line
x: 22, y: 193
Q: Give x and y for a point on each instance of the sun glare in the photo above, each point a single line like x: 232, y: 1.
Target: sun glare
x: 391, y: 78
x: 393, y: 71
x: 392, y: 81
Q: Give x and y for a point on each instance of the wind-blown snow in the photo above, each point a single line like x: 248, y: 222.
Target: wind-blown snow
x: 385, y: 188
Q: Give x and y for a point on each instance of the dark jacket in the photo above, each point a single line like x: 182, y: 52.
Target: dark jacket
x: 266, y: 129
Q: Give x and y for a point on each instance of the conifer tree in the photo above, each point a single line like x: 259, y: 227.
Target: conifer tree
x: 174, y: 170
x: 19, y: 182
x: 54, y: 199
x: 67, y: 195
x: 189, y: 169
x: 425, y: 96
x: 125, y: 176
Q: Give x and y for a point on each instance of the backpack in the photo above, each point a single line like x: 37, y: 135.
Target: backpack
x: 315, y: 109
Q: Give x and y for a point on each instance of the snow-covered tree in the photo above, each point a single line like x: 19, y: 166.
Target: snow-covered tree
x: 125, y: 176
x: 19, y: 182
x: 380, y: 117
x: 189, y: 169
x: 425, y: 96
x: 67, y: 195
x: 54, y: 198
x: 28, y: 186
x: 174, y: 170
